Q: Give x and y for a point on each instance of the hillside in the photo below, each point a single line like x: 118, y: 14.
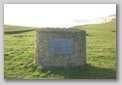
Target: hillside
x: 107, y: 19
x: 100, y: 50
x: 106, y: 23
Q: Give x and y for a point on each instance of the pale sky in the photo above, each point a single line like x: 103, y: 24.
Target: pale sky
x: 54, y: 15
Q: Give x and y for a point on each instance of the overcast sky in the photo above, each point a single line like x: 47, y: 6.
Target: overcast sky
x: 54, y: 15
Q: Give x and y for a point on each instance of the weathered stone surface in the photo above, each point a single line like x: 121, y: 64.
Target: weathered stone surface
x: 75, y: 56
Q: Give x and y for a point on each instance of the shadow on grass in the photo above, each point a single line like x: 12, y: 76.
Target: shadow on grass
x: 88, y: 34
x: 88, y: 72
x: 113, y: 31
x: 19, y: 31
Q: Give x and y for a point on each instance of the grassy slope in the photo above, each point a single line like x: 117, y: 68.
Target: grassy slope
x: 101, y: 44
x: 101, y: 55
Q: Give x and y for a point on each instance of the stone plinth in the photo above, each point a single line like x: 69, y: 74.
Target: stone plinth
x: 60, y: 47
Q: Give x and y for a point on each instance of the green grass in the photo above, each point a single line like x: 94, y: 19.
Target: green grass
x: 101, y: 55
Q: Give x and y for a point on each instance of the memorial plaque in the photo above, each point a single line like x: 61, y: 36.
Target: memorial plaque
x: 61, y: 46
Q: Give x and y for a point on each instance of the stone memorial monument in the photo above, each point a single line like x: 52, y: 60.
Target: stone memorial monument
x: 60, y: 47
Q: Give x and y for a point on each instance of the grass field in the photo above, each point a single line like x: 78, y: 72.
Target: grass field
x: 101, y: 54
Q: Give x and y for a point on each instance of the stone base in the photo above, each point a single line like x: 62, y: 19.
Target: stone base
x: 45, y: 58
